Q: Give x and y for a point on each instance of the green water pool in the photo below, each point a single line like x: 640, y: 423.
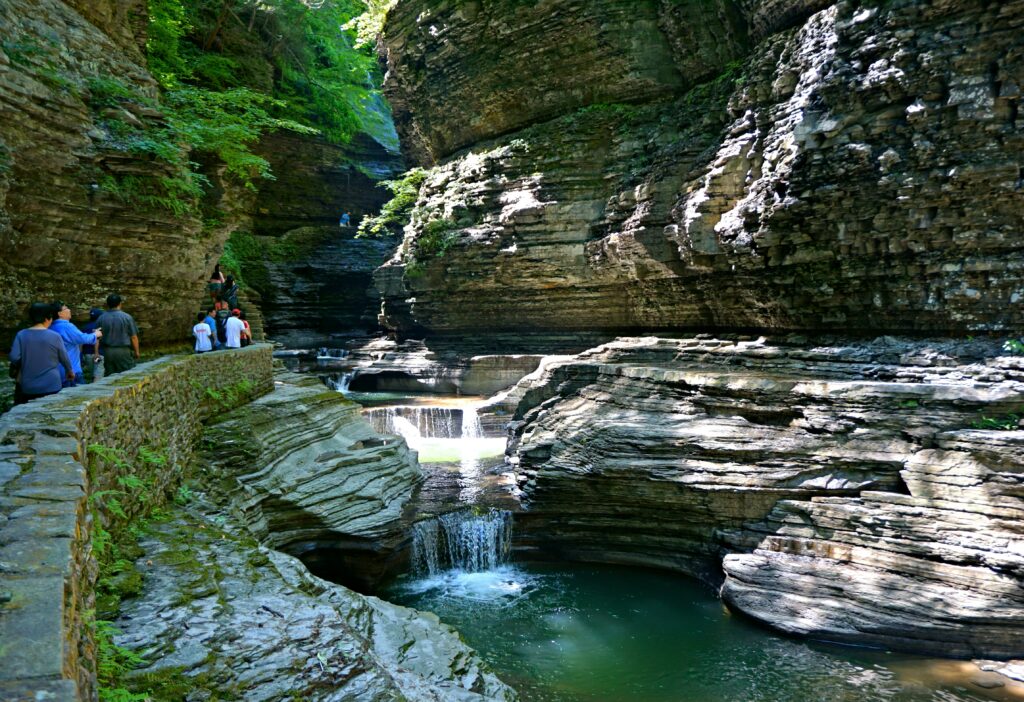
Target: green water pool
x: 580, y: 633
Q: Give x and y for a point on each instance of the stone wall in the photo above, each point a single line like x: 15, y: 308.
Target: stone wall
x: 63, y: 463
x: 856, y: 172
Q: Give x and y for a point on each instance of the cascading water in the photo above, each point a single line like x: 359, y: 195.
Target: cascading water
x: 462, y: 541
x: 341, y: 382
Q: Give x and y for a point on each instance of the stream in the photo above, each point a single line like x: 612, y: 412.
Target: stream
x: 574, y: 632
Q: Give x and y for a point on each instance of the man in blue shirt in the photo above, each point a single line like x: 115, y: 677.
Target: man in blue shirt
x: 73, y: 340
x: 213, y: 328
x: 37, y: 353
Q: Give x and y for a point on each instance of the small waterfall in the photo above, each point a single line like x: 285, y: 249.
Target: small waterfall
x: 471, y: 543
x: 430, y: 422
x: 327, y: 354
x: 407, y: 430
x: 471, y: 428
x: 341, y: 382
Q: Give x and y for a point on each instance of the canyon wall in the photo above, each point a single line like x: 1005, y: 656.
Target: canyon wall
x: 785, y: 165
x: 82, y: 211
x: 867, y: 493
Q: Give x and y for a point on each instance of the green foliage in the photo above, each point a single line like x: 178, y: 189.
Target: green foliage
x: 1007, y: 422
x: 437, y: 237
x: 724, y: 84
x: 1014, y: 346
x: 369, y: 25
x: 298, y: 54
x: 394, y: 215
x: 112, y: 663
x: 231, y: 396
x: 184, y: 495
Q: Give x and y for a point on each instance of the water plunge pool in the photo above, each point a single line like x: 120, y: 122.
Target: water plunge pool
x: 587, y: 633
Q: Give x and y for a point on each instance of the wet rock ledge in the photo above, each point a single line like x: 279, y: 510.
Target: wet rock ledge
x: 868, y: 493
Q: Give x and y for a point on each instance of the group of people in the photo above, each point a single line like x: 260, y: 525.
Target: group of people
x: 222, y: 326
x: 48, y: 356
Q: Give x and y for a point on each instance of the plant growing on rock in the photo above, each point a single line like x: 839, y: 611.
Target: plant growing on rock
x: 395, y: 213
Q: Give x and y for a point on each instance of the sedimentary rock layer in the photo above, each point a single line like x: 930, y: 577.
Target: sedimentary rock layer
x: 845, y: 486
x: 61, y: 235
x: 221, y: 614
x: 858, y: 171
x: 306, y: 472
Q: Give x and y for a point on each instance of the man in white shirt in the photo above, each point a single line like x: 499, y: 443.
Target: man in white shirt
x: 234, y: 330
x: 203, y: 334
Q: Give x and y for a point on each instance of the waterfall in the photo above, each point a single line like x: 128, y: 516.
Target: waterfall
x: 430, y: 422
x: 407, y: 430
x: 471, y: 543
x: 471, y: 428
x: 341, y: 382
x: 327, y: 354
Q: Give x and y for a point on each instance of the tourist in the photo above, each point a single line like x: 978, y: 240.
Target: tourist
x: 230, y: 292
x: 211, y: 321
x: 36, y: 356
x: 90, y: 355
x: 247, y: 336
x: 73, y: 341
x: 345, y: 220
x: 203, y: 334
x: 234, y: 330
x: 216, y: 283
x: 222, y: 315
x: 120, y: 337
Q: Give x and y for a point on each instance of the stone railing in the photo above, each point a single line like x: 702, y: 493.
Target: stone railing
x: 61, y: 460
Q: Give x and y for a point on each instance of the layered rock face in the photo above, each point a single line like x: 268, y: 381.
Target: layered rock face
x: 230, y: 617
x: 61, y: 235
x: 844, y: 486
x: 320, y: 284
x: 306, y: 472
x: 858, y: 170
x: 316, y: 181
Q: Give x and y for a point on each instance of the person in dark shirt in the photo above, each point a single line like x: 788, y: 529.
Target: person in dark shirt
x: 38, y: 353
x: 230, y: 292
x: 91, y: 352
x: 120, y: 337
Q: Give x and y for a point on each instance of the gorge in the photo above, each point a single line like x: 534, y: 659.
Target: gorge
x: 676, y: 353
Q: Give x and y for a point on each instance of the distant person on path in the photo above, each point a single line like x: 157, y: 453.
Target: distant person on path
x: 230, y: 292
x: 203, y: 334
x: 345, y: 220
x: 37, y: 355
x: 73, y: 341
x: 120, y: 337
x: 216, y: 283
x: 91, y: 353
x: 222, y: 316
x: 234, y: 330
x: 211, y: 321
x: 247, y: 339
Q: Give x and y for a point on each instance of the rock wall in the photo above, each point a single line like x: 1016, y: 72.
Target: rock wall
x: 62, y: 236
x: 63, y: 459
x: 317, y: 281
x: 845, y: 486
x: 859, y: 170
x: 307, y: 473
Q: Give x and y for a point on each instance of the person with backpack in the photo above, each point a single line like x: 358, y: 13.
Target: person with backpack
x: 221, y: 317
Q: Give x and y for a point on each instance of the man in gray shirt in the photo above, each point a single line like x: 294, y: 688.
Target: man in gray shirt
x: 120, y: 337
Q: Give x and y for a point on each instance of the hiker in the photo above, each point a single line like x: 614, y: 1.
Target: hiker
x: 216, y: 283
x: 73, y: 340
x: 211, y: 322
x: 234, y: 330
x: 230, y: 292
x: 36, y: 355
x: 120, y: 337
x: 203, y: 334
x: 345, y: 219
x: 90, y: 354
x: 247, y: 336
x: 221, y: 317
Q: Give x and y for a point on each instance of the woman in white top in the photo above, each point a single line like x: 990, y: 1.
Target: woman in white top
x: 203, y: 334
